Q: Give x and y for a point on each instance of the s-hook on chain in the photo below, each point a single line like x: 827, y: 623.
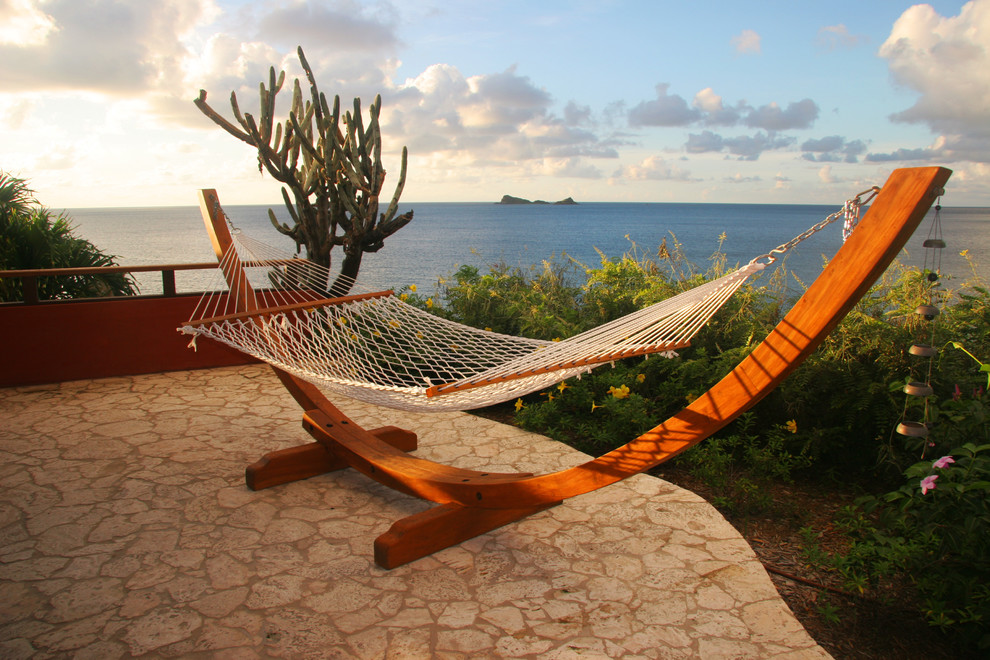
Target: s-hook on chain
x: 217, y: 209
x: 849, y: 211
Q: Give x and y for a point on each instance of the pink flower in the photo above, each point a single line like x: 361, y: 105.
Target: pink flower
x: 956, y: 394
x: 943, y: 462
x: 928, y: 483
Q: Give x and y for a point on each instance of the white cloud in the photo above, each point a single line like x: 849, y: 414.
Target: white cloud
x: 653, y: 168
x: 771, y: 117
x: 494, y: 119
x: 666, y: 110
x: 944, y: 149
x: 835, y: 37
x: 747, y: 41
x: 833, y: 148
x: 947, y: 61
x: 738, y: 177
x: 57, y: 157
x: 346, y: 25
x: 699, y: 143
x: 715, y: 112
x: 708, y: 108
x: 23, y: 23
x: 575, y: 114
x: 744, y: 147
x: 569, y: 168
x: 102, y: 45
x: 16, y: 112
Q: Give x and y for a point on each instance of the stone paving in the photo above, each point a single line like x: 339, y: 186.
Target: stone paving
x: 126, y: 530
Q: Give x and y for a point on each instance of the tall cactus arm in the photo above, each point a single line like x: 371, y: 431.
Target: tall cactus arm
x: 394, y: 204
x: 330, y: 164
x: 219, y: 120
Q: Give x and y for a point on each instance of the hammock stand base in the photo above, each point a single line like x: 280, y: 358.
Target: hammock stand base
x: 470, y: 503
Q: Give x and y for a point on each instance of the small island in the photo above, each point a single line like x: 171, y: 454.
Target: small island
x: 509, y: 199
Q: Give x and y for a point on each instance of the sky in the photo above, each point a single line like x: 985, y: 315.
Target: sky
x: 604, y: 100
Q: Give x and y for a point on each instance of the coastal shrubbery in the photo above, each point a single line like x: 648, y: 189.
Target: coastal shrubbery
x: 32, y: 236
x: 832, y: 421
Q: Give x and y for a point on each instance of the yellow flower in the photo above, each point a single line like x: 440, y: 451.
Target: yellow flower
x: 412, y: 287
x: 404, y: 297
x: 964, y: 253
x: 394, y: 324
x: 595, y: 406
x: 640, y: 378
x: 429, y: 303
x: 619, y: 392
x: 562, y: 386
x: 488, y: 328
x: 548, y: 395
x: 556, y: 339
x: 691, y: 396
x: 792, y: 426
x: 519, y: 405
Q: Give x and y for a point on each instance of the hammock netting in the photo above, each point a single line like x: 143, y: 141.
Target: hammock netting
x: 373, y: 346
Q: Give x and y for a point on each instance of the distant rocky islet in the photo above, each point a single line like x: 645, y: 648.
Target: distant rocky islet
x: 509, y: 199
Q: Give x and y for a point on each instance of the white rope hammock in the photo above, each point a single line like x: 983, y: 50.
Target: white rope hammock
x: 372, y: 346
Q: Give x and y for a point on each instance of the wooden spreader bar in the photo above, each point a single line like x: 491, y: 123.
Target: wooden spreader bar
x: 470, y: 383
x: 470, y: 503
x: 265, y: 312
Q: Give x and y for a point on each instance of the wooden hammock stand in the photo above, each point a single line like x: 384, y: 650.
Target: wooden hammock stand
x: 470, y: 502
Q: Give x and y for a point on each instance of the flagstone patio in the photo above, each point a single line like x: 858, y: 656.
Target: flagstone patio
x: 126, y: 530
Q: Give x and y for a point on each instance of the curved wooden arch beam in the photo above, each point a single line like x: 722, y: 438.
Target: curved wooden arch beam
x: 883, y: 231
x: 474, y: 502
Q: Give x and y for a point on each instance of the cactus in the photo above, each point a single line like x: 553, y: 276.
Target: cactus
x: 330, y: 167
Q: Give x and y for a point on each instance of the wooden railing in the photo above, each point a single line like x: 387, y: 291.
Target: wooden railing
x: 49, y: 341
x: 30, y: 277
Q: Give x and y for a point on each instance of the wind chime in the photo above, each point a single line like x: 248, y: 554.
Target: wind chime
x: 933, y: 246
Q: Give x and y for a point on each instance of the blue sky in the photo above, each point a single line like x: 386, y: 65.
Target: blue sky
x: 777, y: 102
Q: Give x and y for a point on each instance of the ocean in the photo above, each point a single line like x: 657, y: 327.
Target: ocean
x: 444, y: 236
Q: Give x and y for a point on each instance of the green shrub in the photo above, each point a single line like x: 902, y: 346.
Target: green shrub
x: 840, y: 397
x: 540, y: 303
x: 32, y: 237
x: 738, y: 465
x: 935, y: 529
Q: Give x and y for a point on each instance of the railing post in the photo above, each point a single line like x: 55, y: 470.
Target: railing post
x: 30, y: 286
x: 168, y: 282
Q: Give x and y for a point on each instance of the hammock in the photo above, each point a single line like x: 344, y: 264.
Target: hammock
x: 373, y: 346
x: 471, y: 502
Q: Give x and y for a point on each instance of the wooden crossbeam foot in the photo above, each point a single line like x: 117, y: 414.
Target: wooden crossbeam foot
x: 305, y: 461
x: 442, y: 526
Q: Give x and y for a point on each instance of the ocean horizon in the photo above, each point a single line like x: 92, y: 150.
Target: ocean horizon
x: 444, y: 236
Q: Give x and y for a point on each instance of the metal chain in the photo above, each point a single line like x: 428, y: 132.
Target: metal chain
x: 219, y: 210
x: 849, y: 211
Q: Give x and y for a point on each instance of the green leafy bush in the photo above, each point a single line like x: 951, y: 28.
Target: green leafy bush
x: 840, y: 397
x: 32, y: 237
x: 539, y: 303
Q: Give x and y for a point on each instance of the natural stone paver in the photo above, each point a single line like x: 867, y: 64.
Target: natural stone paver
x: 126, y: 530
